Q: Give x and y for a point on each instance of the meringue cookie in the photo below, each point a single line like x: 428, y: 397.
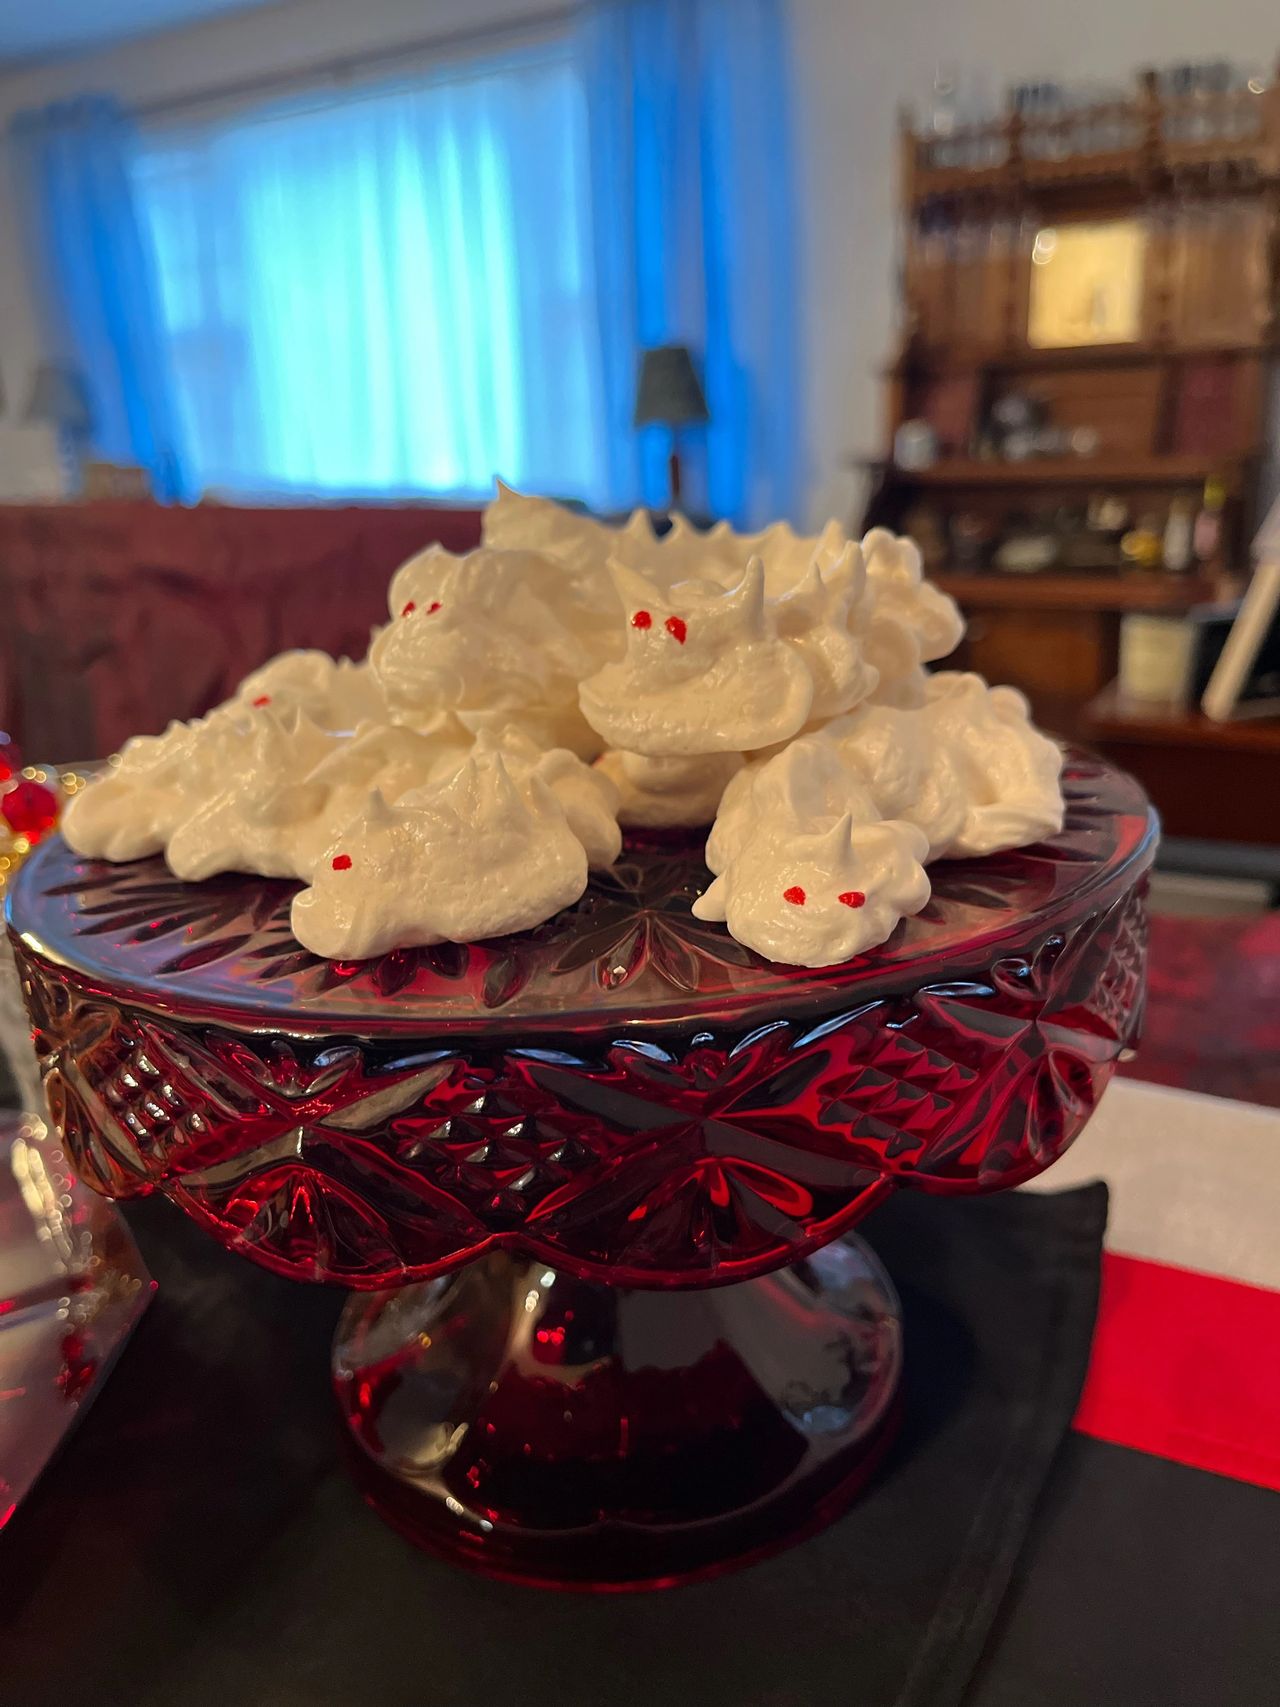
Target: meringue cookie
x: 786, y: 555
x: 668, y: 793
x: 131, y: 810
x: 480, y: 634
x: 1011, y: 771
x: 581, y: 546
x: 472, y: 857
x: 513, y: 521
x: 587, y: 796
x: 335, y: 693
x: 905, y: 771
x: 704, y: 671
x: 585, y: 547
x: 719, y: 554
x: 820, y: 897
x: 787, y: 794
x: 483, y: 625
x: 896, y: 573
x: 382, y: 756
x: 903, y: 689
x: 902, y: 620
x: 547, y: 726
x: 813, y: 616
x: 255, y: 800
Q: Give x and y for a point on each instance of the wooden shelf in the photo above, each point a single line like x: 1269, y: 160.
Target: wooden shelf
x: 1156, y: 592
x: 1110, y: 718
x: 1099, y: 470
x: 1213, y: 781
x: 964, y: 358
x: 1059, y: 156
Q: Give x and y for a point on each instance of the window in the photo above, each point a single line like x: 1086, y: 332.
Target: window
x: 391, y: 292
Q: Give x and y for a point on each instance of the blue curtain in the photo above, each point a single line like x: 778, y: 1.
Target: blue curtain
x: 694, y: 240
x: 389, y: 291
x: 92, y: 277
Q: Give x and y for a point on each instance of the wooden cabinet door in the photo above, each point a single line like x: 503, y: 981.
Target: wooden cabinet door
x: 1059, y: 659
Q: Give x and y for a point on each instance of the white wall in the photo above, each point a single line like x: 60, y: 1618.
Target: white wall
x: 854, y: 61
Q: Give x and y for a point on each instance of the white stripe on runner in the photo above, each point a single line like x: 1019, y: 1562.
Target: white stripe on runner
x: 1195, y: 1180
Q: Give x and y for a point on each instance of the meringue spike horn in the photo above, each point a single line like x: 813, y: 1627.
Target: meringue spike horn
x: 805, y: 593
x: 790, y: 771
x: 376, y: 810
x: 836, y: 844
x: 845, y: 574
x: 492, y: 784
x: 748, y: 597
x: 832, y: 541
x: 542, y: 798
x: 639, y: 526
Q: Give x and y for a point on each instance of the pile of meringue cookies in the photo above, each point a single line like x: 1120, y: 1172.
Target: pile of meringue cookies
x: 532, y: 699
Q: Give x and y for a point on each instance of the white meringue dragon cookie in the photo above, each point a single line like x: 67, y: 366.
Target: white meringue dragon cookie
x: 813, y: 616
x: 704, y: 671
x: 786, y: 555
x: 256, y: 801
x: 382, y: 756
x: 586, y: 795
x: 805, y: 783
x: 131, y: 810
x: 902, y: 619
x: 907, y: 775
x: 896, y: 573
x: 818, y: 897
x: 668, y: 793
x: 516, y: 522
x: 481, y: 634
x: 335, y: 693
x: 1012, y: 773
x: 585, y: 546
x: 472, y: 857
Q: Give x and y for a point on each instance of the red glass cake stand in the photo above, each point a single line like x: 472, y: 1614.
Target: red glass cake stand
x: 592, y: 1184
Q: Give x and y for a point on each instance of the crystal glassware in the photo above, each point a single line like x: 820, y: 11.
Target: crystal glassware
x: 72, y: 1289
x: 592, y: 1185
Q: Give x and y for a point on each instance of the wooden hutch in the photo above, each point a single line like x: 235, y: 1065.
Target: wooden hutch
x: 1113, y: 270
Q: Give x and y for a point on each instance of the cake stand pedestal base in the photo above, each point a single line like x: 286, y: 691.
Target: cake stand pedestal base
x: 560, y: 1432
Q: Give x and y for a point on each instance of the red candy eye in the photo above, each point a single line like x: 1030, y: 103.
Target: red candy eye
x: 263, y: 699
x: 642, y: 619
x: 409, y: 609
x: 433, y: 607
x: 852, y: 898
x: 342, y: 862
x: 677, y: 628
x: 795, y: 895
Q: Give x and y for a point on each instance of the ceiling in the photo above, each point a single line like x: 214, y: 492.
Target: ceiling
x: 31, y: 31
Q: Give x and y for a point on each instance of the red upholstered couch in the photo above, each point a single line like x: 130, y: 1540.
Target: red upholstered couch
x: 117, y: 616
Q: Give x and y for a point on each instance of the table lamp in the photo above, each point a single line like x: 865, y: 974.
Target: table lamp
x: 669, y: 394
x: 59, y: 398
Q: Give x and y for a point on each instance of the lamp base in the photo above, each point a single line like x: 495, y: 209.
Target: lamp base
x: 563, y: 1433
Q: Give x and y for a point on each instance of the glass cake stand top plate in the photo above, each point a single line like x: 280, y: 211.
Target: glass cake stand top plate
x: 630, y: 948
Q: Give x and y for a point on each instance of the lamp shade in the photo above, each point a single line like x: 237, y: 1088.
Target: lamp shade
x: 668, y: 390
x: 60, y: 399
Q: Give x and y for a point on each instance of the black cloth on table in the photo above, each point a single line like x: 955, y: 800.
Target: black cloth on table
x: 199, y: 1543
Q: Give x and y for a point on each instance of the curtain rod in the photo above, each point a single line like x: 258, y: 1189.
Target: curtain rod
x: 349, y: 66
